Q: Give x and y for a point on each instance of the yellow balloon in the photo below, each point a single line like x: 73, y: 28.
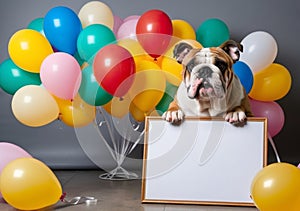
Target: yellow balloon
x: 118, y: 107
x: 148, y: 86
x: 76, y: 112
x: 277, y: 187
x: 34, y: 106
x: 133, y: 46
x: 96, y: 12
x: 28, y: 184
x: 28, y: 48
x: 172, y: 69
x: 271, y: 83
x: 136, y: 113
x: 183, y: 30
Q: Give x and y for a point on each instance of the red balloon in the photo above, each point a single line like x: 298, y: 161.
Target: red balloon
x: 154, y: 30
x: 114, y: 69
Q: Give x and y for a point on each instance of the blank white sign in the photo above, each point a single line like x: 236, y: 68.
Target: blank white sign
x: 202, y: 161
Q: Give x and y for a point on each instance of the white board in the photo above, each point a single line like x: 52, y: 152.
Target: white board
x: 202, y: 161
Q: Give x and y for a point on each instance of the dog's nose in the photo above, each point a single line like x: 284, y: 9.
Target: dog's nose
x: 205, y: 72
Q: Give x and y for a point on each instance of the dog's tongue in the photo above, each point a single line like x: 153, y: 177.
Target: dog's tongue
x: 192, y: 92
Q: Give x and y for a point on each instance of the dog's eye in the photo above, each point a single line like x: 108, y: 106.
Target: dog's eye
x: 190, y: 65
x: 222, y: 65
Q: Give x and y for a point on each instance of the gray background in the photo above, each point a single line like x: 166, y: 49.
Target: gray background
x: 57, y: 144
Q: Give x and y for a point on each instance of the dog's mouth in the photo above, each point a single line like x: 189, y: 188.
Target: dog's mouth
x: 202, y: 88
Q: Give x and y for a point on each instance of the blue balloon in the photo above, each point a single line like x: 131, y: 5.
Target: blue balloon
x: 62, y: 27
x: 244, y: 73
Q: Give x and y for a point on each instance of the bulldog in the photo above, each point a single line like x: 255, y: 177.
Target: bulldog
x: 209, y: 87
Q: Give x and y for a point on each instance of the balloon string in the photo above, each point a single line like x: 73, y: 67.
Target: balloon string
x: 274, y: 148
x: 88, y: 200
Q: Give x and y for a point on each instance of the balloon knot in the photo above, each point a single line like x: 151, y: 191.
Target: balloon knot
x: 63, y: 196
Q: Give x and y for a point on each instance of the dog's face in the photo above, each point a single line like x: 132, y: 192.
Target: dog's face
x: 207, y: 72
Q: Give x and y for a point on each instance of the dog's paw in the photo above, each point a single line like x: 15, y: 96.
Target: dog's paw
x: 174, y: 117
x: 236, y: 117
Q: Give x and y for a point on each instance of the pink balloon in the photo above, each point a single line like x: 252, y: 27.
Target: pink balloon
x: 10, y: 152
x: 299, y: 166
x: 127, y: 29
x: 131, y: 17
x: 61, y: 75
x: 117, y: 23
x: 272, y: 111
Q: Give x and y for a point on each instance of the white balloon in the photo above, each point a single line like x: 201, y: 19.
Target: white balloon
x: 260, y: 50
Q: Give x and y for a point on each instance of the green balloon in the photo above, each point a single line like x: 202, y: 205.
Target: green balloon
x: 92, y: 38
x: 167, y: 98
x: 90, y: 91
x: 212, y: 33
x: 37, y: 25
x: 13, y: 78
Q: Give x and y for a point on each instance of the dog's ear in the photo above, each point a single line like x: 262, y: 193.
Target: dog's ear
x: 181, y: 50
x: 233, y: 49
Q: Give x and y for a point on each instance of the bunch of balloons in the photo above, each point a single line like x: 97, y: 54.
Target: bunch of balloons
x: 25, y: 182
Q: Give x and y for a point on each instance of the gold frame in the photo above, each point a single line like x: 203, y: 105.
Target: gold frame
x: 200, y: 202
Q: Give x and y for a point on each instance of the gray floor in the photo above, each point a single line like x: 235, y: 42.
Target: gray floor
x: 113, y: 195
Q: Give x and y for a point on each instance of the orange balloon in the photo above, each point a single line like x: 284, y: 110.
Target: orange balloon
x: 28, y: 49
x: 277, y: 187
x: 76, y: 112
x: 28, y: 184
x: 136, y: 113
x: 271, y: 83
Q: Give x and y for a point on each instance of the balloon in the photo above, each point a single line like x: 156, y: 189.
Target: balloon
x: 92, y: 38
x: 131, y: 17
x: 182, y: 29
x: 244, y: 73
x: 61, y: 75
x: 33, y: 106
x: 127, y: 29
x: 134, y: 47
x: 259, y: 50
x: 167, y: 98
x: 62, y: 27
x: 172, y: 69
x: 90, y: 91
x: 148, y: 87
x: 117, y: 23
x: 8, y: 153
x: 276, y: 188
x: 13, y: 78
x: 37, y: 25
x: 271, y: 83
x: 272, y: 111
x: 113, y: 66
x: 96, y: 12
x: 28, y: 184
x: 154, y: 30
x: 299, y: 165
x: 75, y: 113
x: 212, y: 33
x: 118, y: 107
x: 136, y: 113
x: 28, y: 48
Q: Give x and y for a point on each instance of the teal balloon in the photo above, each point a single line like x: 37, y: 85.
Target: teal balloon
x: 37, y: 25
x: 78, y: 58
x: 167, y: 98
x: 90, y: 91
x: 212, y: 33
x: 13, y: 78
x: 92, y: 38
